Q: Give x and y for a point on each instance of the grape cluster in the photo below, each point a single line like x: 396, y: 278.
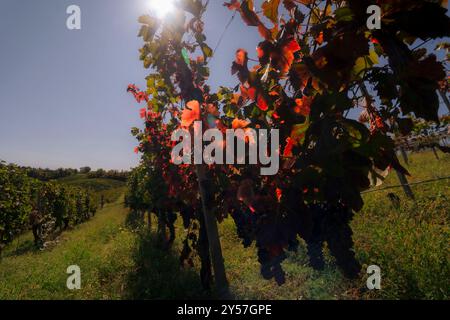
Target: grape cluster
x: 271, y: 265
x: 331, y: 225
x: 276, y: 233
x: 269, y: 237
x: 245, y: 222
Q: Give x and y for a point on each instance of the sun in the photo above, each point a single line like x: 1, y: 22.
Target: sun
x: 162, y: 7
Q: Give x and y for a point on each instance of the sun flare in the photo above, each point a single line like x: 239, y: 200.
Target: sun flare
x: 162, y: 7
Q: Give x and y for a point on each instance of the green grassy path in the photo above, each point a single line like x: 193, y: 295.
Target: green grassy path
x: 115, y: 263
x: 100, y: 247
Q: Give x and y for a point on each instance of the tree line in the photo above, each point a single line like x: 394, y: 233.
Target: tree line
x: 54, y: 174
x: 109, y: 174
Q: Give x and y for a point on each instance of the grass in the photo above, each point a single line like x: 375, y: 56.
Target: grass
x: 409, y: 243
x: 115, y: 263
x: 100, y: 247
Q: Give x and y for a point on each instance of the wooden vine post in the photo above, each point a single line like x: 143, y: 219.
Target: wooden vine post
x: 149, y: 219
x: 435, y: 153
x: 404, y: 155
x: 212, y: 230
x: 405, y: 185
x: 371, y: 111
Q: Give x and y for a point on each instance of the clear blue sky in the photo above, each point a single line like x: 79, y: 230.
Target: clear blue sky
x: 63, y: 100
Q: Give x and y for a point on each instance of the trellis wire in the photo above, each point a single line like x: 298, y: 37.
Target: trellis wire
x: 411, y: 184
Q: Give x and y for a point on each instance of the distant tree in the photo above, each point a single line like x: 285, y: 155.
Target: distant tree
x: 111, y: 174
x: 85, y: 169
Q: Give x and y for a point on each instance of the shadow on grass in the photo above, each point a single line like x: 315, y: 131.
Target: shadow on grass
x: 158, y: 274
x: 26, y: 246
